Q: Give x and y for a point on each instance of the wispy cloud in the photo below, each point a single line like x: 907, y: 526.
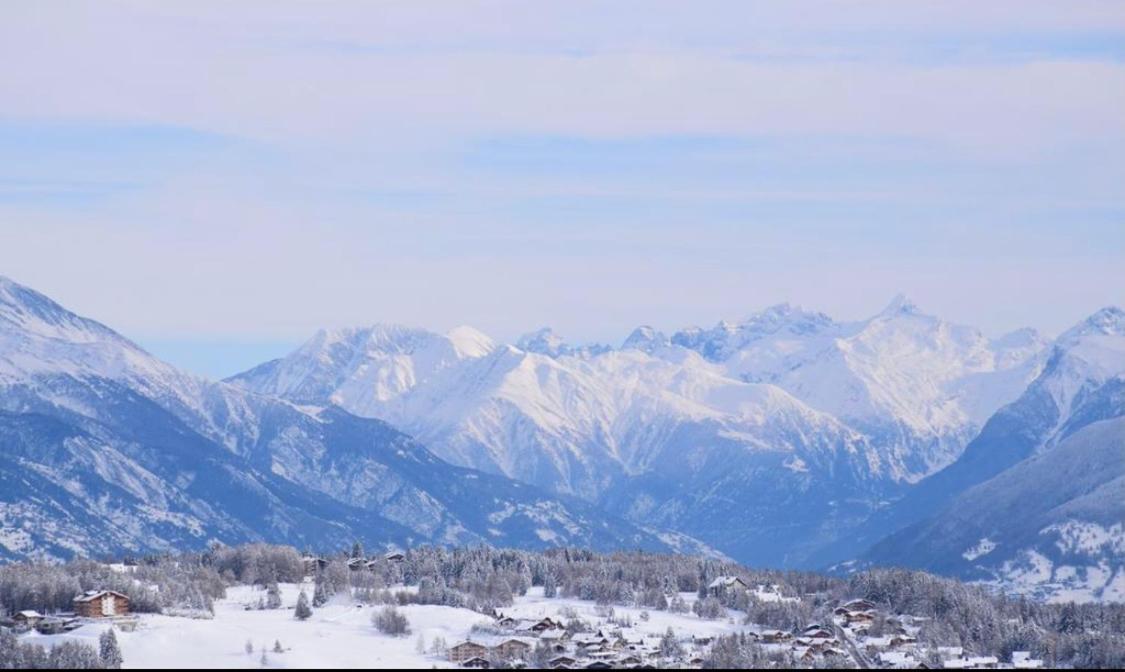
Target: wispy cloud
x: 263, y: 169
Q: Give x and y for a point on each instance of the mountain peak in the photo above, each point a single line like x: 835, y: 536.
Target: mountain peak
x: 17, y: 297
x: 470, y: 342
x: 1108, y: 321
x: 783, y: 308
x: 646, y: 339
x: 543, y: 341
x: 900, y: 305
x: 546, y: 342
x: 36, y: 314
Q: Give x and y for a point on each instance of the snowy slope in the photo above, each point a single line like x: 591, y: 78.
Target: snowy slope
x: 1083, y: 383
x: 340, y: 635
x: 609, y: 426
x: 104, y: 442
x: 918, y: 386
x: 689, y: 429
x: 566, y: 422
x: 1051, y: 525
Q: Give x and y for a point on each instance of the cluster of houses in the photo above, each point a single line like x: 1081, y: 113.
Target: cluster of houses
x: 93, y: 604
x: 520, y: 641
x: 814, y: 644
x: 763, y: 592
x: 897, y: 647
x: 314, y: 563
x: 848, y: 637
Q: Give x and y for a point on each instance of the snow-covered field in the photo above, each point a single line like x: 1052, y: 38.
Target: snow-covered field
x: 338, y: 635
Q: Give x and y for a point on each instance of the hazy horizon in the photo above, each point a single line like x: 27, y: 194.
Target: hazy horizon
x: 219, y: 183
x: 218, y: 358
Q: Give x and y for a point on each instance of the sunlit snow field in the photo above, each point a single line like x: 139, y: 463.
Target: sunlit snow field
x: 338, y: 635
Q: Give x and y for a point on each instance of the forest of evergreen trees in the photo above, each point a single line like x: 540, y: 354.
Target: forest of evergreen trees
x: 486, y: 580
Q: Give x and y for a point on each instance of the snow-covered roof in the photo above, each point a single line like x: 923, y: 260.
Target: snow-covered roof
x: 726, y: 582
x: 897, y: 658
x: 498, y: 640
x: 90, y: 595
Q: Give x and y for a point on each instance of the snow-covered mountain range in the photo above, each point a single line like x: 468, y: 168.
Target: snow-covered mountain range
x: 1037, y: 501
x: 768, y: 438
x: 551, y: 413
x: 785, y: 439
x: 107, y: 449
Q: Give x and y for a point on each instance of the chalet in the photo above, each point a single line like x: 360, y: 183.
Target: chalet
x: 356, y: 564
x: 859, y: 618
x: 774, y: 636
x: 512, y: 648
x: 394, y: 556
x: 816, y: 632
x: 722, y: 584
x: 523, y: 626
x: 900, y: 641
x: 466, y: 651
x: 476, y: 663
x: 592, y: 641
x: 602, y: 655
x: 313, y: 564
x: 544, y: 625
x: 101, y: 604
x: 599, y: 665
x: 554, y: 642
x: 859, y: 605
x: 562, y: 663
x: 27, y: 619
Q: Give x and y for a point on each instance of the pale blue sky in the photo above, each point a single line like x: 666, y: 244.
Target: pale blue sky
x: 219, y: 182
